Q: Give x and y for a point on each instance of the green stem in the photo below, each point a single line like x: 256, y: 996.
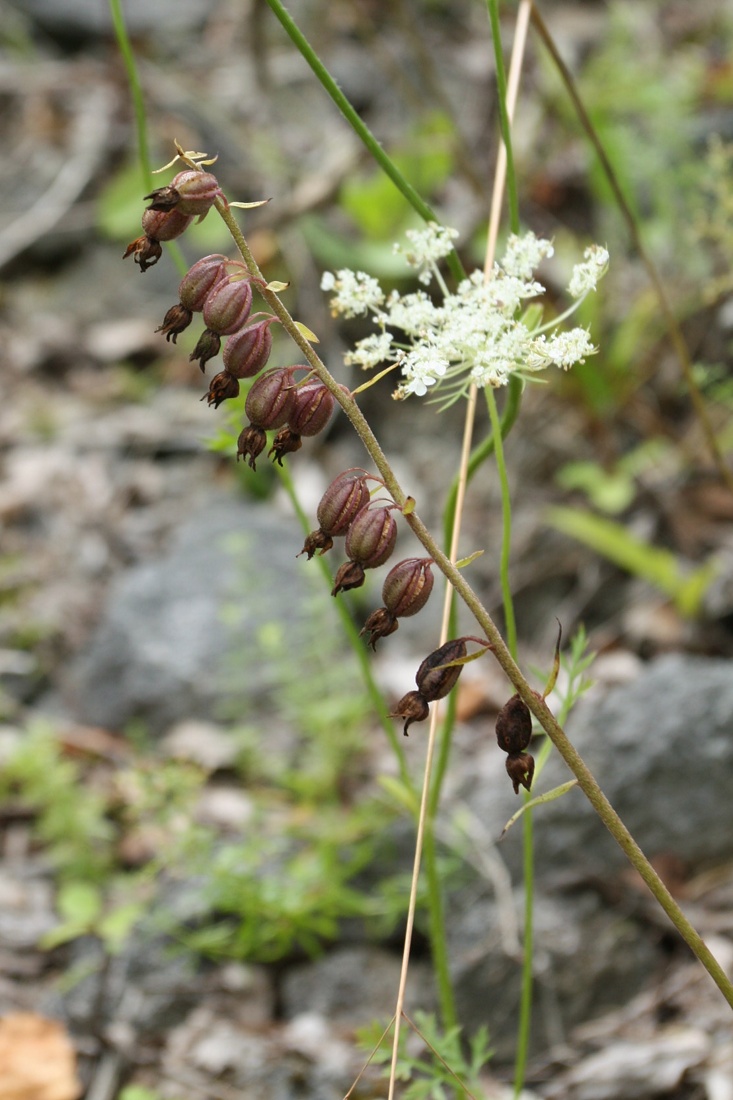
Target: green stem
x: 360, y: 128
x: 506, y: 533
x: 436, y: 918
x: 136, y: 92
x: 506, y: 130
x: 455, y: 578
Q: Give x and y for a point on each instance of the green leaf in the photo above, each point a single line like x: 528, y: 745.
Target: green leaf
x: 79, y: 902
x: 549, y: 796
x: 402, y: 794
x: 652, y: 563
x: 120, y: 204
x: 115, y: 926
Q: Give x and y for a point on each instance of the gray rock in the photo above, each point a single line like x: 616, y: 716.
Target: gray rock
x: 661, y: 748
x: 586, y: 959
x: 352, y: 986
x: 160, y: 653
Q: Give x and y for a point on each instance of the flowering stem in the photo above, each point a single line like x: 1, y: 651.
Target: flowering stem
x: 360, y: 128
x: 455, y: 578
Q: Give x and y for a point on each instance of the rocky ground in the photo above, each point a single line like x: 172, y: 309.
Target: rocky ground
x: 153, y: 612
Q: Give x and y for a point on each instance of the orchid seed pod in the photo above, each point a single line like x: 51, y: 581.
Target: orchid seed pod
x: 200, y: 280
x: 413, y: 707
x: 227, y: 306
x: 221, y: 388
x: 371, y: 537
x: 338, y: 508
x: 246, y: 352
x: 270, y: 398
x: 312, y: 407
x: 191, y: 192
x: 192, y: 292
x: 407, y: 586
x: 514, y: 726
x: 165, y: 225
x: 433, y: 681
x: 207, y: 348
x: 520, y: 769
x: 349, y: 575
x: 267, y: 406
x: 405, y: 591
x: 145, y: 251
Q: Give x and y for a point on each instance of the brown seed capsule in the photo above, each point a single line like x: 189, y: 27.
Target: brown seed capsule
x: 380, y: 624
x: 349, y: 575
x: 286, y: 442
x: 413, y: 707
x: 407, y: 586
x: 176, y: 321
x: 164, y: 225
x: 246, y: 352
x: 434, y: 682
x: 270, y: 398
x: 342, y: 501
x: 227, y: 306
x: 371, y: 537
x: 145, y: 251
x: 207, y: 348
x: 251, y: 443
x: 514, y: 726
x: 520, y: 769
x: 200, y: 279
x: 221, y: 388
x: 312, y: 407
x: 190, y: 192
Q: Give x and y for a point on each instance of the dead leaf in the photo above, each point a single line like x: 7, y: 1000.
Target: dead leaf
x: 37, y: 1060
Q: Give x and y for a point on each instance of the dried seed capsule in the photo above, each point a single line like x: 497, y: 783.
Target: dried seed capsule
x: 165, y: 225
x: 349, y: 575
x: 520, y: 769
x: 434, y: 682
x: 176, y: 321
x: 270, y: 398
x: 190, y: 192
x: 380, y: 624
x: 286, y: 442
x: 407, y: 586
x: 371, y: 537
x: 268, y: 404
x: 200, y: 280
x: 514, y: 726
x: 207, y: 348
x: 340, y: 504
x: 221, y: 388
x: 312, y: 407
x: 413, y: 707
x: 145, y: 251
x: 227, y: 306
x: 246, y: 352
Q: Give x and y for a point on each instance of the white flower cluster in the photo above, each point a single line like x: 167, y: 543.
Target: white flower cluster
x: 477, y: 334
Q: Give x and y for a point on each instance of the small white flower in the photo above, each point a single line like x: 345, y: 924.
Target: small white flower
x: 586, y: 276
x: 523, y: 254
x: 356, y: 292
x: 371, y: 351
x: 427, y: 247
